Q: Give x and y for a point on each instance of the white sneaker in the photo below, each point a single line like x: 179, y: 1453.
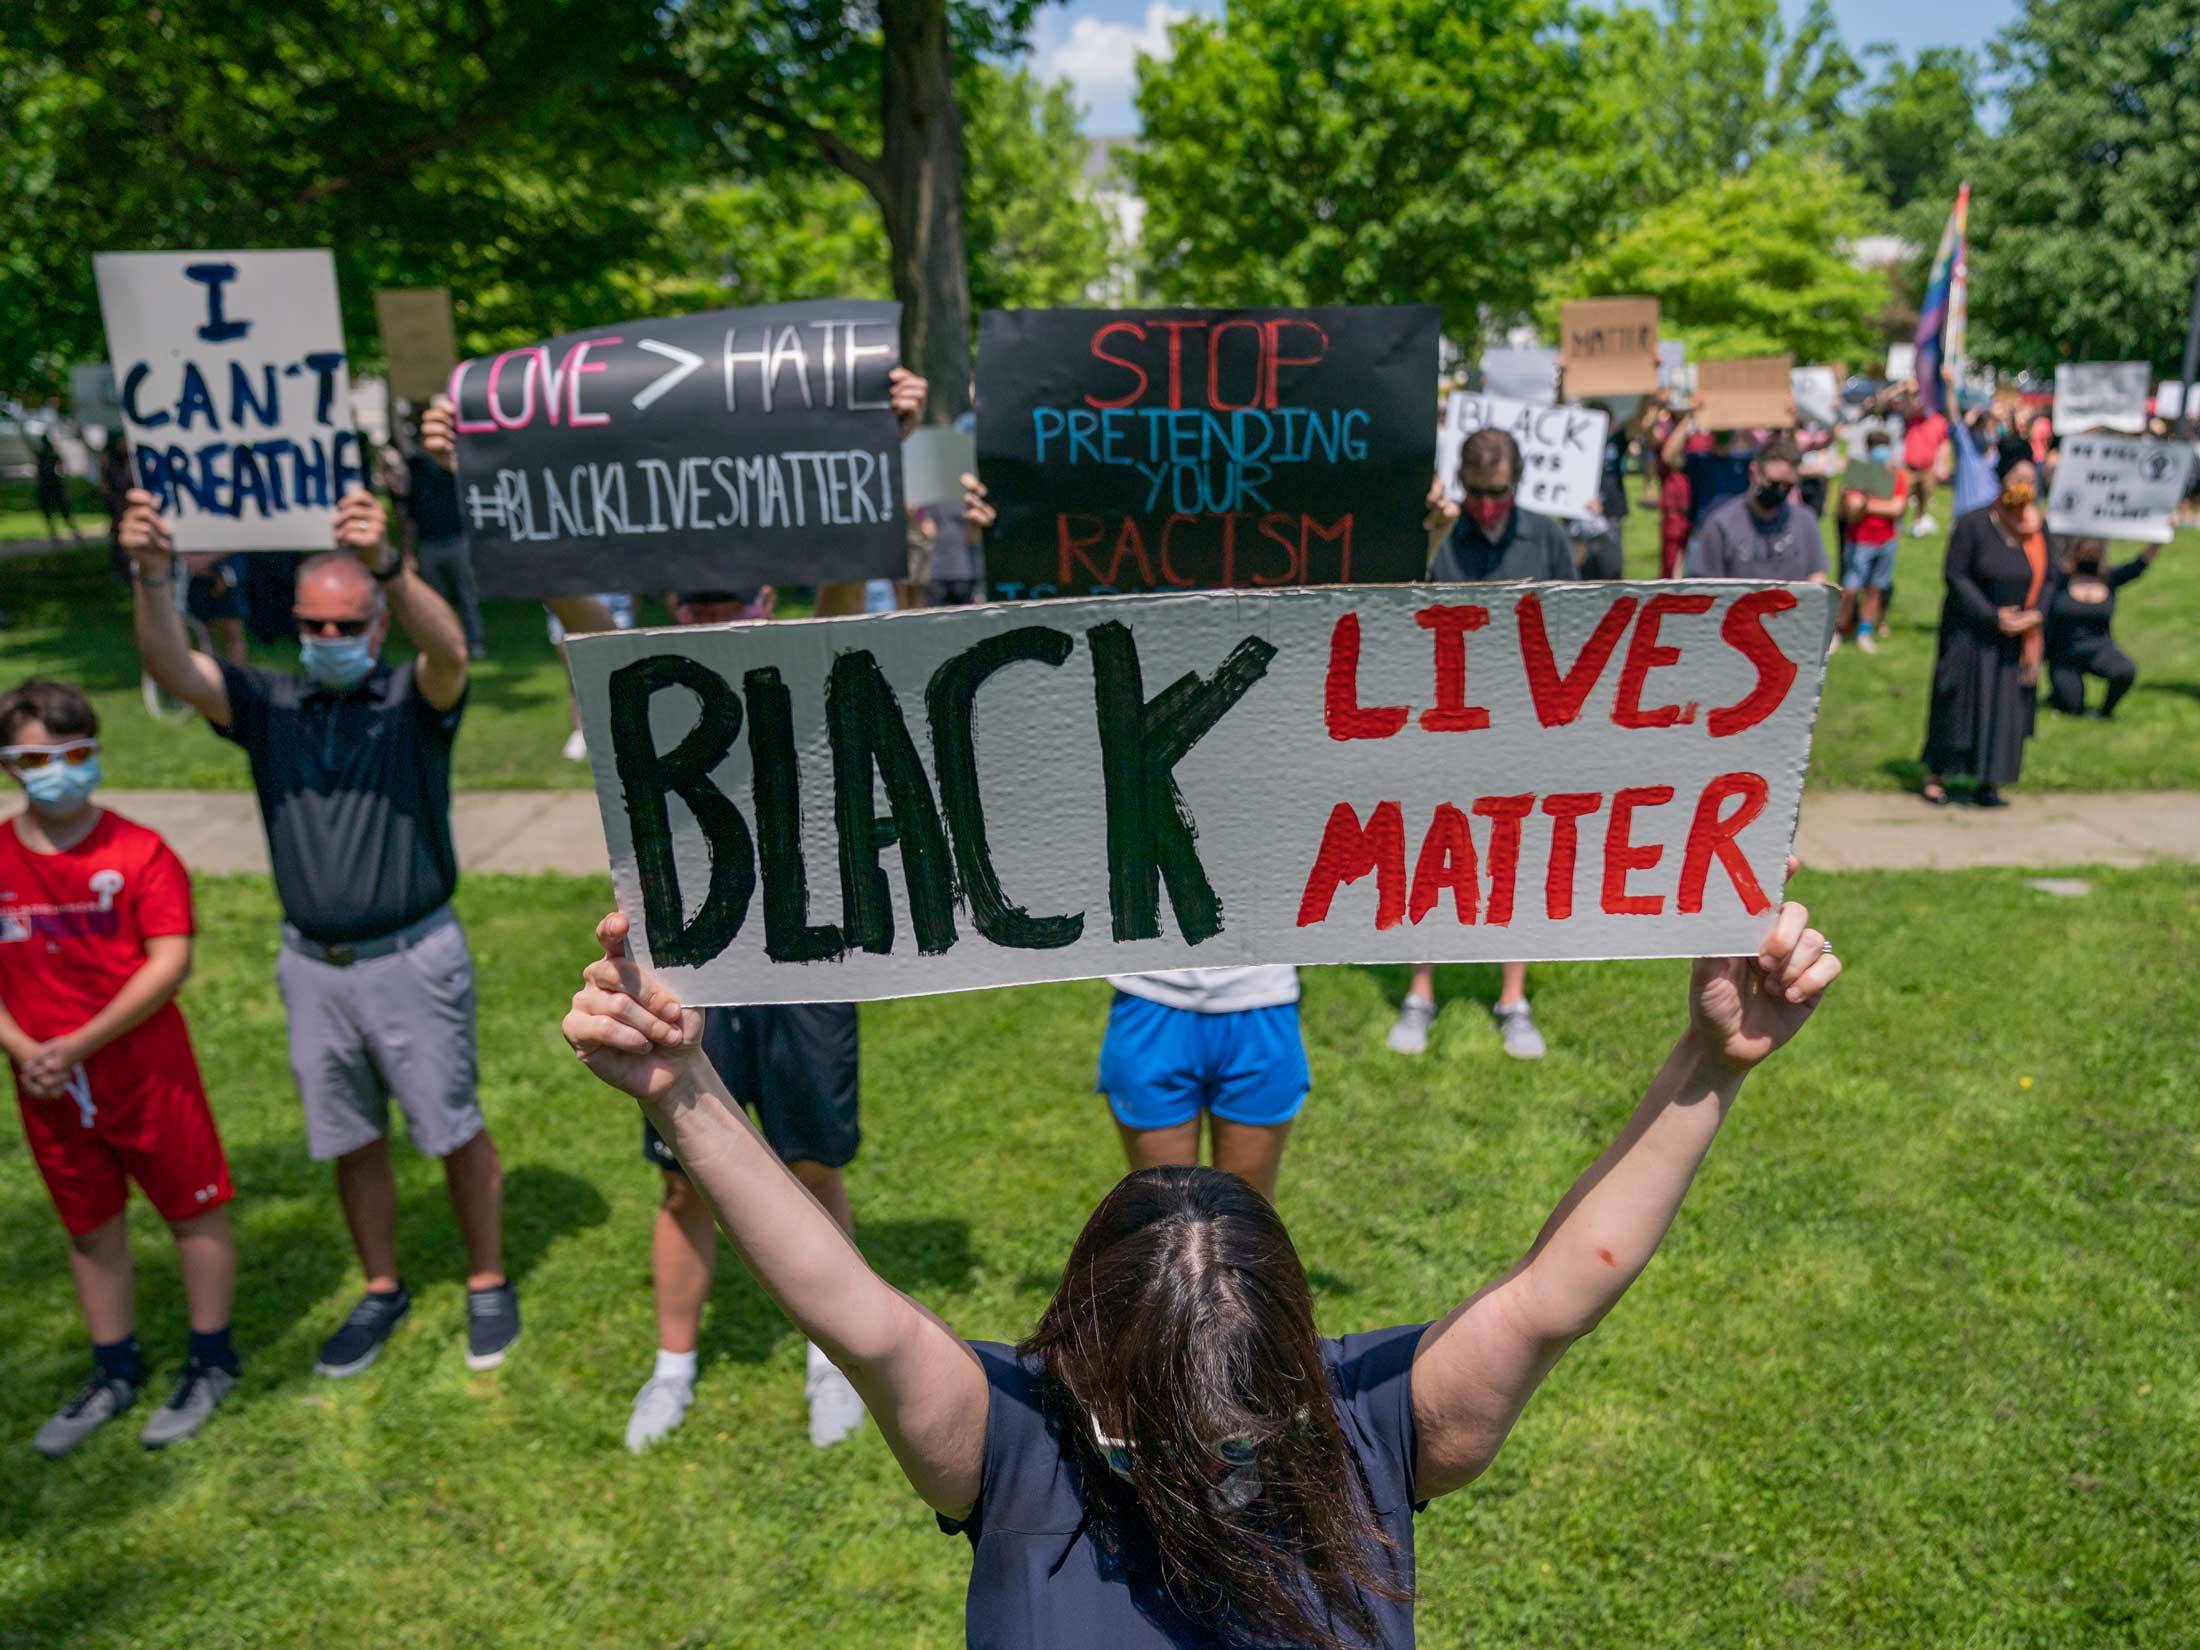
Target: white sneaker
x: 659, y: 1408
x: 1924, y: 526
x: 576, y: 748
x: 835, y: 1409
x: 1409, y: 1033
x: 1516, y: 1026
x: 1866, y: 642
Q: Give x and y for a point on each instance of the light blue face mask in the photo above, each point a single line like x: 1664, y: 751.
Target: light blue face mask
x: 62, y: 787
x: 339, y: 662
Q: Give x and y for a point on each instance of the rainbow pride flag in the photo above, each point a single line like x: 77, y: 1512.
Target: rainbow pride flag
x: 1942, y: 317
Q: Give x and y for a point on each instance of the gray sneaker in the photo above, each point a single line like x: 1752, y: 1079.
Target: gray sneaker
x: 1517, y: 1026
x: 98, y: 1401
x: 1409, y: 1034
x: 198, y: 1395
x: 659, y: 1408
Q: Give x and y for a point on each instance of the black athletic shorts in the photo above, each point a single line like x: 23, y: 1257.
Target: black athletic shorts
x: 794, y: 1065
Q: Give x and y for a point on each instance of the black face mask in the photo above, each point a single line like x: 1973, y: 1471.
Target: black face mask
x: 1770, y: 495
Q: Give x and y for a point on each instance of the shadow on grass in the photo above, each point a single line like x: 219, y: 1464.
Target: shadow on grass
x: 923, y: 1258
x: 2185, y: 690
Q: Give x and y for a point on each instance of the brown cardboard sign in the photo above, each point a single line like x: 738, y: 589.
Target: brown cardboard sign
x: 1754, y: 393
x: 418, y: 339
x: 1609, y: 346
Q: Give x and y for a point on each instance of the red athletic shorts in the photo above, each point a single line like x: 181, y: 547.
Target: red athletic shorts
x: 112, y: 1128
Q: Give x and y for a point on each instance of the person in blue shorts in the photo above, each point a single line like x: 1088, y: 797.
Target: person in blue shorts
x: 1217, y: 1048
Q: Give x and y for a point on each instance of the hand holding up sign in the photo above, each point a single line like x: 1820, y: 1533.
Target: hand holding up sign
x: 907, y: 392
x: 627, y: 1029
x: 1741, y: 1009
x: 978, y: 511
x: 438, y: 433
x: 143, y: 535
x: 363, y: 528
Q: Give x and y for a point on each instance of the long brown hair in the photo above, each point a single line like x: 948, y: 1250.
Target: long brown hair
x: 1183, y: 1321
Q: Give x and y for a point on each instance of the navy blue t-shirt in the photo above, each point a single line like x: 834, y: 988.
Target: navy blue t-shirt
x: 1040, y: 1576
x: 1715, y: 477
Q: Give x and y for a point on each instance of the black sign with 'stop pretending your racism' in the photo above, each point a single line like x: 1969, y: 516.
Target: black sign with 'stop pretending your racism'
x: 1189, y: 449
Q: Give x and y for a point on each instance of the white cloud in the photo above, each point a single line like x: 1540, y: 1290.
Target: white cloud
x: 1100, y: 58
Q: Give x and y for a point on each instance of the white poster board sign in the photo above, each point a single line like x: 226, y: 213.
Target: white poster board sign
x: 2118, y: 487
x: 1521, y: 374
x: 1901, y: 362
x: 2101, y: 395
x: 234, y: 392
x: 934, y: 459
x: 954, y: 798
x: 1561, y: 450
x: 1817, y: 396
x: 2172, y: 400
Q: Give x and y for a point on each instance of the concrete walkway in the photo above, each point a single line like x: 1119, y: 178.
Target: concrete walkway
x: 218, y: 831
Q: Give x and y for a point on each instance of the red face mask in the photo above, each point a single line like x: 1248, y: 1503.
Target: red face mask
x: 1489, y: 513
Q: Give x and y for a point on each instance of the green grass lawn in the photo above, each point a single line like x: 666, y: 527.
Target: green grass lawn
x: 70, y: 618
x: 1917, y: 1367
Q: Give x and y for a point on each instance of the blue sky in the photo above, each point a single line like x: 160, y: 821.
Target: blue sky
x: 1095, y: 43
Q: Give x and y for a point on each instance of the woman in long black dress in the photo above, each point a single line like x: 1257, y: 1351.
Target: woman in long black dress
x: 2081, y: 605
x: 1985, y: 679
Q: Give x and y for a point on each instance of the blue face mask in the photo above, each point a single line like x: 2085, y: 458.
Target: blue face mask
x: 339, y: 662
x: 60, y: 787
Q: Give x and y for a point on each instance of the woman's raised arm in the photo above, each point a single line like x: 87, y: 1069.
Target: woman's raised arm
x: 1476, y: 1369
x: 921, y: 1384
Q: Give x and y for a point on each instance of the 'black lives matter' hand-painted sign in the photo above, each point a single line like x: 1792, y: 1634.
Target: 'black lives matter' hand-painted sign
x: 723, y: 450
x: 963, y: 797
x: 1201, y: 449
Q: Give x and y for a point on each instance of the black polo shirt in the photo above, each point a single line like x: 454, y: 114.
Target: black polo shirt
x: 1530, y: 547
x: 355, y: 792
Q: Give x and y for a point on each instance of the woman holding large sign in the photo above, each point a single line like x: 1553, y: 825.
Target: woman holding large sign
x: 1174, y: 1457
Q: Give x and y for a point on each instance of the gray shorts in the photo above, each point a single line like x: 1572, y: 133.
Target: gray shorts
x: 400, y: 1024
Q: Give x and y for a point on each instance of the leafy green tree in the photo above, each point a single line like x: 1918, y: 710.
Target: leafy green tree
x: 1374, y: 151
x: 512, y: 149
x: 2083, y: 224
x: 1915, y: 129
x: 1748, y: 265
x: 1037, y: 236
x: 1706, y: 88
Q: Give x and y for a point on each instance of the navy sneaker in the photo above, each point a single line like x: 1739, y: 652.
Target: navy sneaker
x: 359, y: 1342
x: 492, y: 1324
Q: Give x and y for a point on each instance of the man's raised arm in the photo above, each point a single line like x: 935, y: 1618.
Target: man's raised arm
x: 157, y: 620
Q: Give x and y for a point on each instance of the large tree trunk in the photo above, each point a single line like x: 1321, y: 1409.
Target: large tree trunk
x: 920, y: 193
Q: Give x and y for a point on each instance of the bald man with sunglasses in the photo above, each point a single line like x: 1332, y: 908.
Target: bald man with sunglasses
x: 352, y: 761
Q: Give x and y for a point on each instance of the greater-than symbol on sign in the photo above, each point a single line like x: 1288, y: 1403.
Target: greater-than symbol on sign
x: 684, y: 363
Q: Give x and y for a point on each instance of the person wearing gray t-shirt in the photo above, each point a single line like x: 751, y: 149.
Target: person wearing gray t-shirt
x: 1764, y: 534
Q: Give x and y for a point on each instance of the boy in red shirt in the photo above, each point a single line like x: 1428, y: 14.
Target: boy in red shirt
x: 95, y: 937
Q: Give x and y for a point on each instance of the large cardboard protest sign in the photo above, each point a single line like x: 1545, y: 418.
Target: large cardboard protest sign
x: 2118, y: 487
x: 230, y: 367
x: 418, y: 339
x: 2101, y: 395
x: 1132, y: 450
x: 936, y: 800
x: 1610, y: 346
x: 1561, y: 450
x: 1756, y: 392
x: 729, y: 449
